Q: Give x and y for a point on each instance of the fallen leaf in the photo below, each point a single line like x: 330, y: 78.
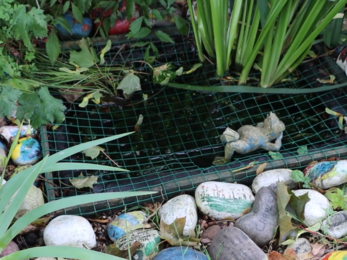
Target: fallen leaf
x: 302, y: 150
x: 275, y: 155
x: 71, y: 94
x: 84, y: 182
x: 93, y: 152
x: 290, y: 254
x: 273, y: 255
x: 261, y: 168
x: 304, y: 256
x: 129, y: 84
x: 95, y: 97
x: 318, y: 249
x: 113, y: 250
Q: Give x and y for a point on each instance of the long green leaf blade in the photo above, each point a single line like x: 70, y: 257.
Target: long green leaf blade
x: 81, y: 166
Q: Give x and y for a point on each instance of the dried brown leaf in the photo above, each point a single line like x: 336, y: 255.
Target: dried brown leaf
x: 261, y: 168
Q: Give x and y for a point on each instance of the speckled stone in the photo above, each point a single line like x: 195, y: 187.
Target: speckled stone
x: 300, y: 246
x: 222, y: 200
x: 69, y: 230
x: 180, y: 253
x: 179, y: 207
x: 233, y: 243
x: 261, y: 222
x: 272, y: 177
x: 336, y: 225
x: 317, y: 208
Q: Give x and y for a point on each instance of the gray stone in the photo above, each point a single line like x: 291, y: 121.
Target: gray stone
x: 336, y: 225
x: 222, y: 200
x: 232, y: 243
x: 179, y: 207
x: 300, y: 246
x: 261, y: 222
x: 211, y: 231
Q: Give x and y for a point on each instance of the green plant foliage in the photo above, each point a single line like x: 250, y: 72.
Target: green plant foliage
x: 338, y: 200
x: 299, y: 176
x: 17, y: 187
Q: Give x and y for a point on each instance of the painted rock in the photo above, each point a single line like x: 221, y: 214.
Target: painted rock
x: 222, y: 200
x: 180, y: 253
x: 69, y: 230
x: 125, y: 223
x: 261, y: 222
x: 9, y: 132
x: 233, y: 243
x: 179, y: 207
x: 149, y: 239
x: 327, y: 174
x: 337, y: 255
x: 336, y: 225
x: 316, y: 209
x: 78, y: 30
x: 271, y: 178
x: 300, y: 246
x: 26, y: 152
x: 11, y: 247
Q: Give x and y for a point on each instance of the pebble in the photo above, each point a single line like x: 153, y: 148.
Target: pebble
x: 300, y: 246
x: 222, y: 200
x: 69, y: 230
x: 233, y: 243
x: 261, y: 222
x: 336, y: 225
x: 180, y: 253
x: 32, y: 200
x: 9, y: 132
x: 317, y: 208
x: 272, y: 177
x: 327, y: 174
x: 210, y: 232
x: 149, y: 239
x: 179, y: 207
x: 125, y: 223
x: 11, y: 247
x: 26, y: 152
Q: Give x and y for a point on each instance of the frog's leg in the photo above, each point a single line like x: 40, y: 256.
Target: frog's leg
x: 239, y: 146
x: 274, y: 146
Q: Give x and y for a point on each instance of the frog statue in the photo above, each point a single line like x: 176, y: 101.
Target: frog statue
x: 250, y: 138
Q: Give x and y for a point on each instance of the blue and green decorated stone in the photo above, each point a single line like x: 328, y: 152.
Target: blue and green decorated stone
x: 26, y: 152
x: 125, y: 223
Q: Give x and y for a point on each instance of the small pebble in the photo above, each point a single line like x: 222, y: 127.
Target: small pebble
x: 336, y: 225
x: 300, y: 246
x: 211, y: 231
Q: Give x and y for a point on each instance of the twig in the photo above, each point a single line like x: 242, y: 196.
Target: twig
x: 320, y: 234
x: 110, y: 158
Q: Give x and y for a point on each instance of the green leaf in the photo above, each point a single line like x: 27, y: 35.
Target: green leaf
x: 297, y: 176
x: 83, y: 5
x: 53, y: 47
x: 298, y: 204
x: 142, y: 33
x: 104, y: 50
x: 336, y: 198
x: 63, y: 22
x: 275, y: 155
x: 135, y: 26
x: 8, y: 100
x: 95, y: 96
x: 129, y: 84
x: 302, y: 150
x: 86, y: 57
x: 66, y: 6
x: 194, y: 68
x: 130, y: 9
x: 93, y: 152
x: 84, y: 182
x: 164, y: 37
x: 77, y: 13
x: 157, y: 14
x: 181, y: 24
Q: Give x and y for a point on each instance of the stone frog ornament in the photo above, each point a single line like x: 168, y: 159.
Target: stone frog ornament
x: 249, y: 138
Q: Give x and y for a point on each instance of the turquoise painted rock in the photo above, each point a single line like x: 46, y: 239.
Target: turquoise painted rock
x: 9, y: 132
x: 317, y: 208
x: 260, y: 224
x: 272, y: 177
x: 69, y: 230
x: 179, y: 207
x: 233, y: 243
x: 149, y: 239
x: 336, y: 225
x: 26, y: 152
x: 125, y: 223
x: 327, y: 174
x: 180, y: 253
x: 221, y: 200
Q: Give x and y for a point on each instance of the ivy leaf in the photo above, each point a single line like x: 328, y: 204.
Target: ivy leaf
x: 93, y: 152
x: 164, y: 37
x: 8, y: 100
x: 53, y: 47
x: 84, y: 182
x: 129, y: 84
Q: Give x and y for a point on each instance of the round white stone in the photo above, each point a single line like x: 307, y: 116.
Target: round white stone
x: 271, y: 178
x: 222, y: 200
x: 179, y: 207
x: 69, y: 230
x: 317, y: 208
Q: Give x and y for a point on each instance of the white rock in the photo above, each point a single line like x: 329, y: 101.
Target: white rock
x: 336, y: 225
x: 317, y: 208
x: 179, y: 207
x: 221, y: 200
x: 271, y: 178
x: 68, y: 230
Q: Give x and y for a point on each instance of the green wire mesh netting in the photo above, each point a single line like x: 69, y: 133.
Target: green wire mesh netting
x: 179, y: 138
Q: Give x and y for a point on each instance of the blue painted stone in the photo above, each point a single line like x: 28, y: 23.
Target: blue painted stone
x: 180, y: 253
x: 26, y: 152
x: 78, y: 30
x: 125, y: 223
x: 9, y: 132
